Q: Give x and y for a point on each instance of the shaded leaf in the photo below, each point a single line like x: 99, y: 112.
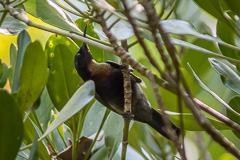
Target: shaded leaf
x: 11, y: 25
x: 77, y: 102
x: 34, y: 150
x: 93, y: 119
x: 29, y: 135
x: 235, y: 104
x: 227, y: 34
x: 228, y: 72
x: 63, y: 79
x: 33, y: 76
x: 11, y: 125
x: 23, y: 40
x: 3, y: 74
x: 190, y: 123
x: 113, y: 133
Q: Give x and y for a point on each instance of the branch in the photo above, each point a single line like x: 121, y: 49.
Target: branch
x: 127, y: 103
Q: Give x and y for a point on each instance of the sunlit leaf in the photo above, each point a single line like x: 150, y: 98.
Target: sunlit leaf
x: 33, y: 76
x: 13, y: 59
x: 11, y: 126
x: 50, y: 13
x: 63, y: 79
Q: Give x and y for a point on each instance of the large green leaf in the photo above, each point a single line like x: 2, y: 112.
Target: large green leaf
x: 23, y: 40
x: 229, y: 74
x: 3, y: 74
x: 63, y: 79
x: 11, y: 126
x: 50, y: 13
x: 234, y: 6
x: 77, y: 102
x: 33, y: 75
x: 213, y: 7
x: 113, y: 133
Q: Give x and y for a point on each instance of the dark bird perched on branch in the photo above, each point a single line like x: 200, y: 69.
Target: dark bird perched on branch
x: 108, y: 79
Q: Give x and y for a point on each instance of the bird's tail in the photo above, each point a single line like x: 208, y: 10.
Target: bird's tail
x: 158, y: 124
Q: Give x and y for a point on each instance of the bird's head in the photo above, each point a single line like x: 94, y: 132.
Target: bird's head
x: 82, y: 60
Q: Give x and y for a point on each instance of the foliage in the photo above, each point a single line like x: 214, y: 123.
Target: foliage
x: 50, y: 113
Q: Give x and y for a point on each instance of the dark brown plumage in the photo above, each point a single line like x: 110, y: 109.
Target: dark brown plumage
x: 108, y: 81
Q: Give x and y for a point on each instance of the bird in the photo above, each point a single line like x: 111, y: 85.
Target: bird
x: 108, y: 79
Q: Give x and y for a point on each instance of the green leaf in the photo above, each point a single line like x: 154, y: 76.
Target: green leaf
x: 234, y: 6
x: 227, y: 35
x: 11, y: 126
x: 3, y: 74
x: 11, y: 25
x: 13, y: 59
x: 93, y: 119
x: 201, y: 84
x: 229, y: 74
x: 50, y: 13
x: 181, y: 27
x: 44, y: 110
x: 34, y: 150
x: 213, y: 7
x: 113, y: 133
x: 33, y: 75
x: 96, y: 52
x: 63, y: 79
x: 234, y: 103
x: 77, y: 102
x: 190, y: 123
x: 29, y: 135
x: 122, y: 29
x: 23, y: 40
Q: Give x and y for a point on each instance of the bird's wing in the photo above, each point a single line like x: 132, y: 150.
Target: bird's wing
x: 104, y: 102
x: 133, y: 77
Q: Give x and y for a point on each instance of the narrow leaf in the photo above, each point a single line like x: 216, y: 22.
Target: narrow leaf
x: 229, y: 74
x: 203, y: 86
x: 77, y: 102
x: 23, y: 40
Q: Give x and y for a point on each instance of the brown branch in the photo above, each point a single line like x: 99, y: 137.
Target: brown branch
x: 218, y: 115
x: 127, y: 103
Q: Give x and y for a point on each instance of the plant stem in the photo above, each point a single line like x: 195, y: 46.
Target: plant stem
x: 99, y: 130
x: 125, y: 138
